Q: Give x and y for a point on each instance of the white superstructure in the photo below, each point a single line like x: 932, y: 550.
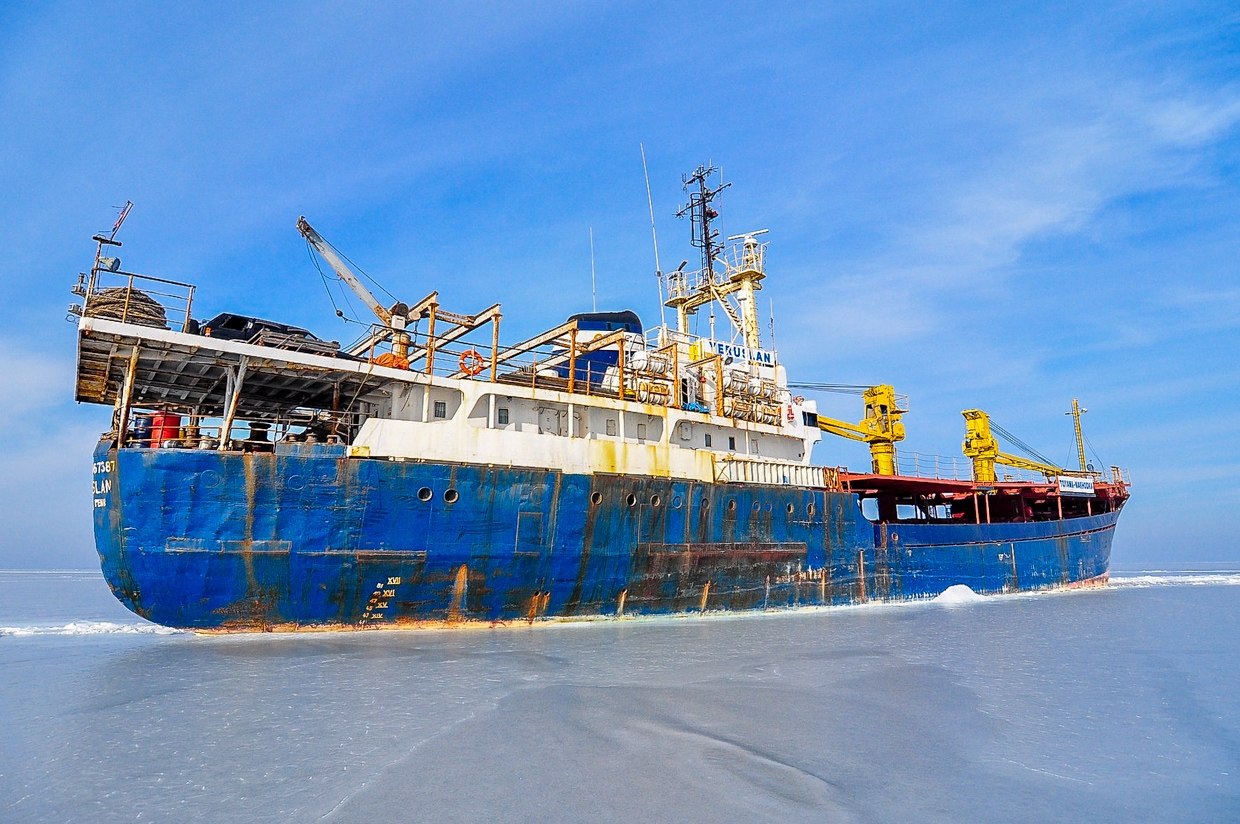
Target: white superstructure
x: 429, y: 417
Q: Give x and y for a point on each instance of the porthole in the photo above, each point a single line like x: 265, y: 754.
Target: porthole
x: 757, y: 505
x: 424, y: 494
x: 596, y: 498
x: 655, y: 500
x: 809, y: 510
x: 676, y: 501
x: 791, y: 509
x: 732, y: 505
x: 631, y: 500
x: 706, y: 503
x: 895, y: 536
x: 768, y: 507
x: 450, y: 495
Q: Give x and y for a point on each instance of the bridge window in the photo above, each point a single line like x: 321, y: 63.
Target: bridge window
x: 501, y: 416
x: 441, y: 409
x: 732, y: 443
x: 708, y: 440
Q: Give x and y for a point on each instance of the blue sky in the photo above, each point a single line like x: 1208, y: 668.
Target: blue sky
x: 1002, y: 206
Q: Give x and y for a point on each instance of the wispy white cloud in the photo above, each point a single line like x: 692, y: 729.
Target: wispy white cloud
x: 1068, y: 164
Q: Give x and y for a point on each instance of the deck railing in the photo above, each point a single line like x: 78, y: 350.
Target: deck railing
x: 133, y: 298
x: 744, y: 470
x: 942, y: 467
x: 158, y: 428
x: 958, y: 468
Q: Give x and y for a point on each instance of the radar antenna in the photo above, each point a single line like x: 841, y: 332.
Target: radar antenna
x: 701, y: 213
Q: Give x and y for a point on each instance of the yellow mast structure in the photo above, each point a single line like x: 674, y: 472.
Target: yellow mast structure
x: 881, y: 429
x: 1076, y: 414
x: 687, y: 292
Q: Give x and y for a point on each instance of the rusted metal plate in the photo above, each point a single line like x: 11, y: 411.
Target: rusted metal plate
x: 312, y: 539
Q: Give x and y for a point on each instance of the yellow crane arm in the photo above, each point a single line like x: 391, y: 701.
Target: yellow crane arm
x: 1034, y: 466
x: 841, y: 428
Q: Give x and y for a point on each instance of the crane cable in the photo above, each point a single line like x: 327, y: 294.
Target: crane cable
x: 352, y: 316
x: 837, y: 388
x: 1091, y: 449
x: 1019, y: 444
x: 326, y: 287
x: 357, y: 268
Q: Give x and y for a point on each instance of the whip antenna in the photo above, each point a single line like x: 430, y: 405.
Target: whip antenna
x: 593, y: 291
x: 654, y: 236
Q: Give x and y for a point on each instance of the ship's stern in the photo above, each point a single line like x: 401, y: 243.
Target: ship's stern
x: 109, y: 528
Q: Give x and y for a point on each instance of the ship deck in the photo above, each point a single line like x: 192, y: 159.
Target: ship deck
x: 193, y: 373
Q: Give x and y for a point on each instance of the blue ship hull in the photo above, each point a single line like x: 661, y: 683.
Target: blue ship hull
x: 308, y: 537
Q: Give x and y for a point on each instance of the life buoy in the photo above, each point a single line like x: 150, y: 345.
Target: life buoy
x: 471, y: 362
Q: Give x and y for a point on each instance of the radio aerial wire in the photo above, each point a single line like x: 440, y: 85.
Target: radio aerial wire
x: 593, y: 290
x: 654, y: 236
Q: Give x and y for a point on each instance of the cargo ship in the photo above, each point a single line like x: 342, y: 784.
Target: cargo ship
x: 255, y: 477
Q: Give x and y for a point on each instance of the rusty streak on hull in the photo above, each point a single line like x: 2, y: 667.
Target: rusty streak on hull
x: 311, y: 539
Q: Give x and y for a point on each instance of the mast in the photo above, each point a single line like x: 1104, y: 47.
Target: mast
x: 1076, y: 414
x: 701, y: 213
x: 746, y: 271
x: 743, y: 266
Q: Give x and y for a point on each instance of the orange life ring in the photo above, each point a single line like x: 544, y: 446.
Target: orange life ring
x: 471, y: 362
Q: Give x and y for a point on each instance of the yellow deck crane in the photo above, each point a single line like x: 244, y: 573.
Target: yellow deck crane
x: 881, y: 428
x: 982, y: 447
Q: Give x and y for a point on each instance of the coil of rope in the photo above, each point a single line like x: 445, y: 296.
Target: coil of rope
x: 128, y: 305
